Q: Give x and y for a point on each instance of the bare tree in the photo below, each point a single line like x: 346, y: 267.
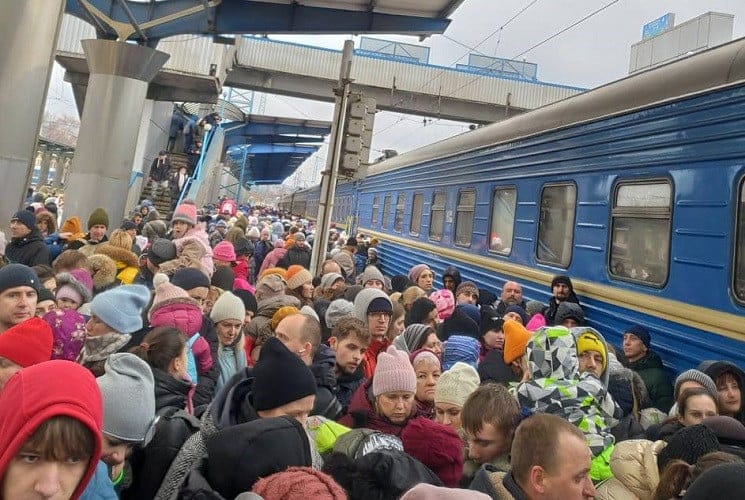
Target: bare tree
x: 62, y: 129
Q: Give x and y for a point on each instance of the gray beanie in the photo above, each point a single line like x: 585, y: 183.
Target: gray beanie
x: 412, y: 338
x: 121, y: 307
x: 364, y: 298
x: 569, y: 310
x: 698, y: 377
x: 534, y: 307
x: 128, y: 394
x: 337, y: 310
x: 327, y: 280
x: 372, y: 273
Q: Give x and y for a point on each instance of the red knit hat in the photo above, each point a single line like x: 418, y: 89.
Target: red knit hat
x: 437, y: 446
x: 186, y: 212
x: 28, y: 343
x: 224, y: 251
x: 299, y: 483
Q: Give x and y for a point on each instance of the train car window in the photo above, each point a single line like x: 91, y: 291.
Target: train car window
x: 556, y: 224
x: 503, y: 207
x: 416, y: 214
x: 640, y: 232
x: 398, y: 220
x: 386, y: 210
x: 464, y: 217
x: 375, y: 208
x: 437, y: 216
x: 739, y: 278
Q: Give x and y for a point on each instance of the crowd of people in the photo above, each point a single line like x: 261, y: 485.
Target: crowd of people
x: 200, y: 358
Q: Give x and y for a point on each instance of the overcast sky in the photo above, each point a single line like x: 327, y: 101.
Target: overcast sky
x: 590, y: 54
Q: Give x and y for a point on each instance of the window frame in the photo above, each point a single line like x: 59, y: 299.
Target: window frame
x: 398, y: 212
x: 458, y: 211
x: 386, y: 211
x: 738, y: 236
x: 491, y: 219
x: 412, y: 231
x: 544, y: 187
x: 375, y: 211
x: 443, y: 210
x: 657, y: 213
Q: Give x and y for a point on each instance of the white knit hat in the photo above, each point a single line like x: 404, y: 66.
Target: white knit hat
x: 456, y: 384
x: 228, y: 306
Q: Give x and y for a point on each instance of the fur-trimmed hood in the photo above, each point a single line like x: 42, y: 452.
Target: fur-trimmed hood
x: 117, y: 254
x: 103, y: 271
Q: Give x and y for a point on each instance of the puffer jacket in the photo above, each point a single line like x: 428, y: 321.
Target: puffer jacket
x: 29, y: 250
x: 186, y: 316
x: 192, y: 250
x: 127, y: 263
x: 326, y: 404
x: 656, y: 380
x: 635, y: 474
x: 557, y: 387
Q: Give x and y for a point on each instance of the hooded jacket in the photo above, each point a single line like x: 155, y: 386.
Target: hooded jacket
x: 326, y: 404
x: 716, y: 368
x: 192, y: 250
x: 453, y: 272
x: 656, y: 380
x: 40, y: 392
x: 635, y: 472
x: 127, y: 265
x: 29, y: 250
x: 557, y: 387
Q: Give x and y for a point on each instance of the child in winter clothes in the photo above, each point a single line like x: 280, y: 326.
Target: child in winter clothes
x: 557, y: 387
x: 173, y: 307
x: 192, y: 243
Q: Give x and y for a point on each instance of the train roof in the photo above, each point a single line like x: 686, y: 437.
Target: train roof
x: 705, y: 71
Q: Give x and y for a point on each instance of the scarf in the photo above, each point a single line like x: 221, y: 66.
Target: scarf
x: 101, y: 347
x: 231, y: 361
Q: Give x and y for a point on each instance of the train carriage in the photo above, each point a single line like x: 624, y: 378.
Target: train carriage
x: 635, y: 189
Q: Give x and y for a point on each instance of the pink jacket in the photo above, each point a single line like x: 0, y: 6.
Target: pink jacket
x: 187, y: 318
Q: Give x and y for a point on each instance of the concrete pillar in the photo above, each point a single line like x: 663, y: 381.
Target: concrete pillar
x: 46, y: 161
x: 62, y: 164
x: 109, y: 127
x: 28, y: 38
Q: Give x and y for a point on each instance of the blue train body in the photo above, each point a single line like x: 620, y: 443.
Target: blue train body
x: 635, y: 192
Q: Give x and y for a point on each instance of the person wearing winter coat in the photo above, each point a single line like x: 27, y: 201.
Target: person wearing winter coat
x: 261, y: 250
x: 276, y: 255
x: 729, y: 380
x: 648, y: 364
x: 557, y: 387
x: 562, y: 290
x: 26, y: 244
x: 98, y: 224
x: 635, y: 473
x: 298, y: 254
x: 160, y: 171
x: 51, y: 412
x: 192, y: 243
x: 118, y: 248
x: 349, y: 340
x: 228, y: 314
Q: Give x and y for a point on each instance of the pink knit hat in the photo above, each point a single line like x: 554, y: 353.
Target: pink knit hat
x: 299, y: 483
x: 393, y: 373
x: 445, y: 303
x: 224, y: 251
x: 186, y: 212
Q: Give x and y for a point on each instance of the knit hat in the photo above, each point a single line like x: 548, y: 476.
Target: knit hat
x: 417, y: 270
x: 154, y: 229
x: 224, y: 251
x: 328, y: 280
x: 68, y: 333
x: 338, y: 310
x: 465, y: 320
x: 696, y: 376
x: 533, y: 307
x: 27, y: 343
x: 166, y: 293
x: 25, y: 217
x: 367, y: 302
x: 589, y: 340
x: 456, y: 384
x: 413, y: 337
x: 568, y: 310
x: 74, y: 226
x: 437, y: 446
x: 460, y: 348
x: 467, y: 287
x: 399, y: 283
x: 424, y: 491
x: 490, y: 320
x: 221, y: 223
x: 640, y: 332
x: 161, y: 250
x: 520, y: 312
x: 372, y: 273
x: 189, y: 278
x: 128, y: 225
x: 281, y: 377
x: 729, y: 431
x: 77, y: 285
x: 279, y: 271
x: 269, y: 287
x: 228, y: 306
x: 723, y: 482
x: 444, y: 302
x: 299, y: 236
x: 14, y: 275
x: 98, y: 217
x: 393, y: 372
x: 128, y: 394
x: 44, y: 294
x: 121, y: 307
x: 424, y: 355
x: 299, y: 483
x: 352, y: 242
x: 186, y: 212
x: 223, y: 278
x: 296, y: 276
x: 688, y: 444
x: 562, y: 279
x: 242, y: 247
x: 516, y: 338
x: 253, y: 232
x: 249, y: 300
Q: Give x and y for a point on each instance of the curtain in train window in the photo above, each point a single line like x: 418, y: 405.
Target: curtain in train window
x: 416, y: 214
x: 386, y: 210
x: 556, y: 224
x: 640, y: 232
x: 437, y: 216
x: 739, y: 279
x: 398, y: 220
x: 464, y: 217
x: 375, y: 208
x: 502, y: 219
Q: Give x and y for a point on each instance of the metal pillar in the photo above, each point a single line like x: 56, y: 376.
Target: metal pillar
x: 110, y: 125
x: 330, y: 175
x: 28, y: 39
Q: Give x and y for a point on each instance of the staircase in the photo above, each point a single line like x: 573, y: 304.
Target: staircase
x: 163, y: 201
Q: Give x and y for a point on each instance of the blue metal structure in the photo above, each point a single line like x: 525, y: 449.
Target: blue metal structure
x: 636, y: 190
x: 154, y: 20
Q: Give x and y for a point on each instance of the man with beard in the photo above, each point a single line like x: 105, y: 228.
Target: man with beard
x: 349, y: 340
x: 563, y: 291
x: 512, y: 295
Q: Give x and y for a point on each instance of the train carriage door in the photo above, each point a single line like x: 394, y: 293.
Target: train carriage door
x: 739, y: 268
x: 556, y: 224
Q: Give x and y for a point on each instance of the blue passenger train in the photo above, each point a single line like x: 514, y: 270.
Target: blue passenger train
x: 635, y: 189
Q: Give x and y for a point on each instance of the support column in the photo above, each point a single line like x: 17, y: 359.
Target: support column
x: 110, y: 125
x: 28, y: 39
x: 46, y: 161
x: 62, y: 164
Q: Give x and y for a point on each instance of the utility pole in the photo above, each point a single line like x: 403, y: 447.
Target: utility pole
x: 330, y: 175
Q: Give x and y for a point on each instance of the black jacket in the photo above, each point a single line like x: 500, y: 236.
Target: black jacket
x: 29, y: 250
x: 549, y: 312
x: 295, y: 255
x: 78, y: 244
x: 159, y: 170
x: 346, y: 385
x: 326, y: 404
